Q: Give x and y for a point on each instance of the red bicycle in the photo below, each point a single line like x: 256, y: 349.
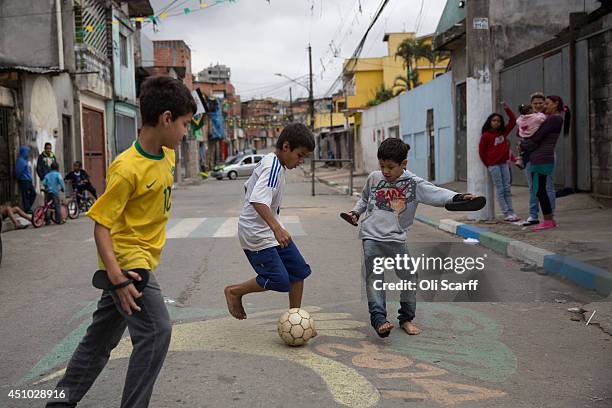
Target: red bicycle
x: 40, y: 213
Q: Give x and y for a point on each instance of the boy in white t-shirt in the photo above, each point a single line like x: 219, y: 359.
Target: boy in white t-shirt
x: 267, y: 245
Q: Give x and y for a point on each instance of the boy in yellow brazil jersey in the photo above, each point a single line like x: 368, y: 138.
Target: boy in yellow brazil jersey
x: 130, y: 221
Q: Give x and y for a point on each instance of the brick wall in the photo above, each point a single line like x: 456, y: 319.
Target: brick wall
x: 175, y: 54
x: 600, y: 55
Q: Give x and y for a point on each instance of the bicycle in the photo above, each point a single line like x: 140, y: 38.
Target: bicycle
x: 79, y: 202
x: 40, y: 213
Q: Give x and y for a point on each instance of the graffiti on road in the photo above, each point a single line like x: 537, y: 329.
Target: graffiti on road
x: 456, y: 342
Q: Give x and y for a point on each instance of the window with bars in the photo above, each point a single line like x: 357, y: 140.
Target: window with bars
x: 90, y: 25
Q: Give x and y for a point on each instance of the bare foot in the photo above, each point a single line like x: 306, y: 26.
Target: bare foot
x: 384, y: 329
x: 234, y: 304
x: 411, y: 328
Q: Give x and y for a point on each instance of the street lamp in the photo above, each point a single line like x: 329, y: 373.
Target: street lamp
x: 308, y: 88
x: 278, y: 74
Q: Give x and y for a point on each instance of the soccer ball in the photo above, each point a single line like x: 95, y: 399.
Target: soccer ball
x: 296, y: 327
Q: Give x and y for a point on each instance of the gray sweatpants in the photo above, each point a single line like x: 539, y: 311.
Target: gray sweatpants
x: 150, y: 331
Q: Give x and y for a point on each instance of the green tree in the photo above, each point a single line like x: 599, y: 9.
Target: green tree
x: 410, y: 51
x: 400, y: 84
x: 382, y: 94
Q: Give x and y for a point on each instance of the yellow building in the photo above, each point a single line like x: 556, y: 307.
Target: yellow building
x: 365, y: 76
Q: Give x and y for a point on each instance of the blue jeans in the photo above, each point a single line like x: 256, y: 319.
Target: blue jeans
x: 500, y: 174
x: 533, y: 198
x: 377, y: 304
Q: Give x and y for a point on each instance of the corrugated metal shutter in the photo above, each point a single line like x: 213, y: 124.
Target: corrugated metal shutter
x: 125, y: 131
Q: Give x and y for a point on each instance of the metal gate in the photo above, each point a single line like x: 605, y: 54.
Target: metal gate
x: 549, y: 73
x: 125, y: 132
x: 6, y: 164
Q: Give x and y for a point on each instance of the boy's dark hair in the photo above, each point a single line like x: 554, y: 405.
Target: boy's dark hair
x: 298, y: 135
x: 161, y: 93
x: 54, y: 166
x: 487, y: 125
x: 48, y: 144
x: 78, y: 162
x: 524, y: 109
x: 393, y: 149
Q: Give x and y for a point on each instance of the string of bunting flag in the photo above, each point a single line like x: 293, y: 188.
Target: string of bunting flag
x: 157, y: 18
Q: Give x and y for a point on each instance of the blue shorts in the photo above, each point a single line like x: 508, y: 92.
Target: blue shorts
x: 276, y: 267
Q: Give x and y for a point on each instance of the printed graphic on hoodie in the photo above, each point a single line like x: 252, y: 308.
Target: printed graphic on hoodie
x: 394, y: 196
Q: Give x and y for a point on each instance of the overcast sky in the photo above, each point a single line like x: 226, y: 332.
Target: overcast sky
x: 257, y: 38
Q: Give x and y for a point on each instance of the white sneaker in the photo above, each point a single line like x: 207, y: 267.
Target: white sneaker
x: 530, y: 221
x: 512, y: 218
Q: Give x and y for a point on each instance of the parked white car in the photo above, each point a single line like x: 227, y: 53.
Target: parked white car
x: 244, y: 167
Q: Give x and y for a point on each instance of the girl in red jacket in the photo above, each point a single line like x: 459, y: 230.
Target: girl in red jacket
x: 494, y: 152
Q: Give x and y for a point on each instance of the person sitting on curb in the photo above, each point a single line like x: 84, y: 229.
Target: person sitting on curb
x: 9, y: 212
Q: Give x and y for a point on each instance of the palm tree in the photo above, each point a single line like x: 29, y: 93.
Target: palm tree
x: 382, y: 94
x: 400, y: 84
x: 411, y: 50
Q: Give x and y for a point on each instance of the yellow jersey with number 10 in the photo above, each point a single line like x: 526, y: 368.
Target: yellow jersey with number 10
x: 136, y: 206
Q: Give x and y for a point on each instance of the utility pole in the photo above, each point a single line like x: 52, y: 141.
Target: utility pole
x: 290, y: 105
x: 310, y: 91
x: 479, y: 101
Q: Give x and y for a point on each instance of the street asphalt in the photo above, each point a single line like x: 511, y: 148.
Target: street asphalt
x: 510, y: 344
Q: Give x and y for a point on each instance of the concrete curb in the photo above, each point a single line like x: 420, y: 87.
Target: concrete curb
x: 582, y: 274
x: 340, y: 187
x: 528, y: 253
x: 449, y: 225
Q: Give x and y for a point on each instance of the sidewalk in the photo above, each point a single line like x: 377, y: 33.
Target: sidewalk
x: 580, y: 248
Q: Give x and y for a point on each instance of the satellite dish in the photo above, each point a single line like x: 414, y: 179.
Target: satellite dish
x: 43, y: 112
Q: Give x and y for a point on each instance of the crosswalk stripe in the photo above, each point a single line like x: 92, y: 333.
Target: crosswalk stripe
x: 290, y: 219
x: 218, y: 227
x: 184, y: 227
x: 228, y: 229
x: 295, y: 229
x: 208, y: 228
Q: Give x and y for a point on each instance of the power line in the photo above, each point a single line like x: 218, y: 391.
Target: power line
x: 167, y: 6
x: 359, y: 49
x: 417, y: 22
x: 266, y: 89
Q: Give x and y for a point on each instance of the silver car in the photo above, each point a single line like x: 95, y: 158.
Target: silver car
x: 243, y: 167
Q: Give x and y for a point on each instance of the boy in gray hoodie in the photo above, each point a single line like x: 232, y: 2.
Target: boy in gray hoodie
x: 389, y: 200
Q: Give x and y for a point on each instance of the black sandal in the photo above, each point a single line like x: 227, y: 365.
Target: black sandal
x: 475, y: 204
x: 100, y: 280
x: 347, y: 217
x: 384, y: 334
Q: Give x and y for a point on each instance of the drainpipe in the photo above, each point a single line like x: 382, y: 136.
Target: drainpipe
x: 60, y: 33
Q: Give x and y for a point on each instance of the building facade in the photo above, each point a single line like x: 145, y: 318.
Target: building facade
x: 481, y: 35
x: 215, y: 74
x: 36, y: 88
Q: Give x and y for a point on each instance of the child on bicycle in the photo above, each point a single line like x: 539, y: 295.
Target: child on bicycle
x: 53, y: 183
x: 80, y: 181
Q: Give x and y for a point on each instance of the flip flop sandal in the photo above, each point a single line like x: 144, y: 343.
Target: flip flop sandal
x: 385, y: 334
x: 476, y: 204
x: 347, y: 217
x: 100, y: 280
